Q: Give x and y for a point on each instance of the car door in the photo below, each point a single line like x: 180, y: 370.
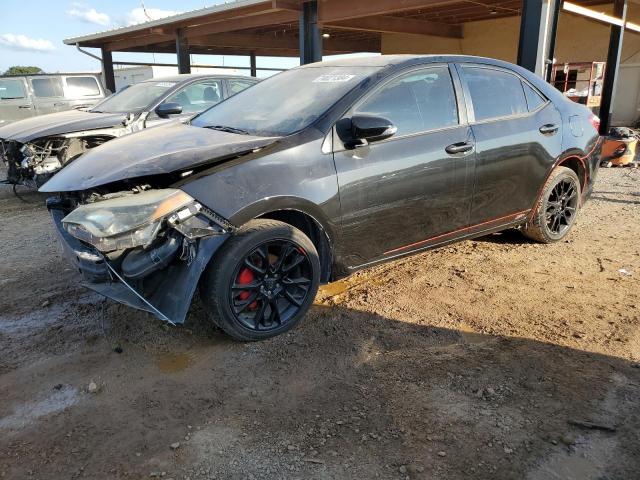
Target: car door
x: 48, y: 95
x: 193, y: 98
x: 518, y: 136
x: 15, y: 102
x: 400, y: 194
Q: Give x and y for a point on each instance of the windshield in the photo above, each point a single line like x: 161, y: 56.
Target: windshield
x: 285, y: 103
x: 134, y: 98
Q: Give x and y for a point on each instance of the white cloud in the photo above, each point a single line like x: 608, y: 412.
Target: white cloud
x: 88, y: 15
x: 138, y: 15
x: 22, y: 42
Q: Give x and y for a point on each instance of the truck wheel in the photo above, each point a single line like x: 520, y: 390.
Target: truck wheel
x: 262, y: 281
x: 556, y: 210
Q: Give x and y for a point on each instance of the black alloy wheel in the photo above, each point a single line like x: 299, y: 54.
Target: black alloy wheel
x: 556, y: 209
x: 271, y: 285
x: 262, y: 281
x: 562, y: 206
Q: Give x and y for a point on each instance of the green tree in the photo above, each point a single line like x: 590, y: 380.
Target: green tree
x: 19, y: 70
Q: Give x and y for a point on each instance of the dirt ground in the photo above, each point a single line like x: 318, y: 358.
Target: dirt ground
x: 482, y: 360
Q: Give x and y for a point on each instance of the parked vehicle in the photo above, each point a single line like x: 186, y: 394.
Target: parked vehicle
x: 270, y: 194
x: 25, y: 96
x: 35, y: 149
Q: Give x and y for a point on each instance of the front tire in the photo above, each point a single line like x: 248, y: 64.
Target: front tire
x: 262, y: 281
x: 556, y: 210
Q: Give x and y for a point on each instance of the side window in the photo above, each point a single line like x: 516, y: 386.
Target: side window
x: 236, y: 86
x: 82, y: 87
x: 47, y: 87
x: 534, y: 99
x: 416, y: 102
x: 11, y: 88
x: 197, y: 97
x: 494, y: 93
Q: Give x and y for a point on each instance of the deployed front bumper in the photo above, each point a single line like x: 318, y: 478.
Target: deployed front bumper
x: 172, y: 288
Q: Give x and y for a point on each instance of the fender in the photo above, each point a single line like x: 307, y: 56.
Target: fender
x: 272, y: 204
x: 572, y: 154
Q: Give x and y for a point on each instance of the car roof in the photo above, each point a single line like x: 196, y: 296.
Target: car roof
x: 193, y: 76
x: 400, y: 60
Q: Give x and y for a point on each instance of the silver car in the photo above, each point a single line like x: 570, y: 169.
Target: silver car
x: 34, y: 149
x: 32, y: 95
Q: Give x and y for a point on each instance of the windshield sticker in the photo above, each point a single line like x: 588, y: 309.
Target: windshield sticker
x: 164, y: 84
x: 333, y: 78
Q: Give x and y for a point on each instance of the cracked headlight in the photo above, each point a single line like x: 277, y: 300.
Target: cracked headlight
x: 127, y: 221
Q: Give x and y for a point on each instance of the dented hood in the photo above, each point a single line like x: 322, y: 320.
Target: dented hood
x: 164, y: 149
x: 57, y: 124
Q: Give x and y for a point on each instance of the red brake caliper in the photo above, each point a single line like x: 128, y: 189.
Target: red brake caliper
x: 245, y: 278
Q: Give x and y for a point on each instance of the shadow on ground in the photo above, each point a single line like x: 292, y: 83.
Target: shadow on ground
x: 349, y: 394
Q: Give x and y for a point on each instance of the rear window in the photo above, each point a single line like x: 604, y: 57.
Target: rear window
x: 82, y: 87
x: 534, y: 99
x: 11, y: 88
x: 494, y: 93
x: 47, y: 87
x: 236, y: 86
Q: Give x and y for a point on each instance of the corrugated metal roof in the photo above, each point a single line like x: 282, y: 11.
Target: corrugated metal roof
x: 164, y: 21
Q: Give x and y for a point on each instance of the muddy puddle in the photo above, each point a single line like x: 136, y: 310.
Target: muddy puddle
x: 174, y: 362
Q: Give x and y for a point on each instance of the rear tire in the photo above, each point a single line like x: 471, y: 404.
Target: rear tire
x: 262, y: 281
x: 557, y: 208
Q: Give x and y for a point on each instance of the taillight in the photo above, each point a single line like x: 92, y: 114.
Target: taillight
x: 594, y: 120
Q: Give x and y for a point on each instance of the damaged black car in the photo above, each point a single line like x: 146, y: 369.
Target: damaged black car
x: 315, y: 173
x: 34, y: 149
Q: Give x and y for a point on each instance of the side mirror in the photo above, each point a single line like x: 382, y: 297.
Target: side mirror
x: 165, y: 109
x: 361, y: 129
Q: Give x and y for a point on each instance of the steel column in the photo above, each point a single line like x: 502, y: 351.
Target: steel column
x: 613, y: 65
x: 107, y: 70
x: 254, y: 68
x: 538, y: 25
x: 310, y: 36
x: 182, y: 51
x: 529, y: 34
x: 551, y: 51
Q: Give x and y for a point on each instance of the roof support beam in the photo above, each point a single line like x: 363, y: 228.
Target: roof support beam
x: 139, y: 42
x: 388, y: 24
x: 537, y: 35
x: 254, y: 66
x: 286, y: 5
x: 613, y: 65
x: 254, y: 21
x: 337, y: 10
x: 309, y: 36
x: 107, y: 71
x: 271, y: 42
x: 182, y: 51
x: 272, y: 18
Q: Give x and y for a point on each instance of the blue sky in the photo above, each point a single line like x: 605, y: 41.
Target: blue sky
x: 32, y: 31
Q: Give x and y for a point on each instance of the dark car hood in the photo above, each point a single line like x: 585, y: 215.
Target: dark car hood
x: 58, y: 123
x: 164, y: 149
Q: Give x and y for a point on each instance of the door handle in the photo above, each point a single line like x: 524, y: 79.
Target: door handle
x: 24, y: 106
x: 549, y: 129
x: 59, y: 104
x: 460, y: 147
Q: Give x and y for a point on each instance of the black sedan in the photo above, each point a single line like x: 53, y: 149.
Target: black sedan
x: 34, y: 149
x: 318, y: 172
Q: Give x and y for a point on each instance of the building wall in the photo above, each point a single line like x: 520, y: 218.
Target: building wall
x: 578, y: 40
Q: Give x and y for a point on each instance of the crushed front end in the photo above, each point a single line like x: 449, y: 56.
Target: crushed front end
x: 145, y: 248
x: 33, y: 163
